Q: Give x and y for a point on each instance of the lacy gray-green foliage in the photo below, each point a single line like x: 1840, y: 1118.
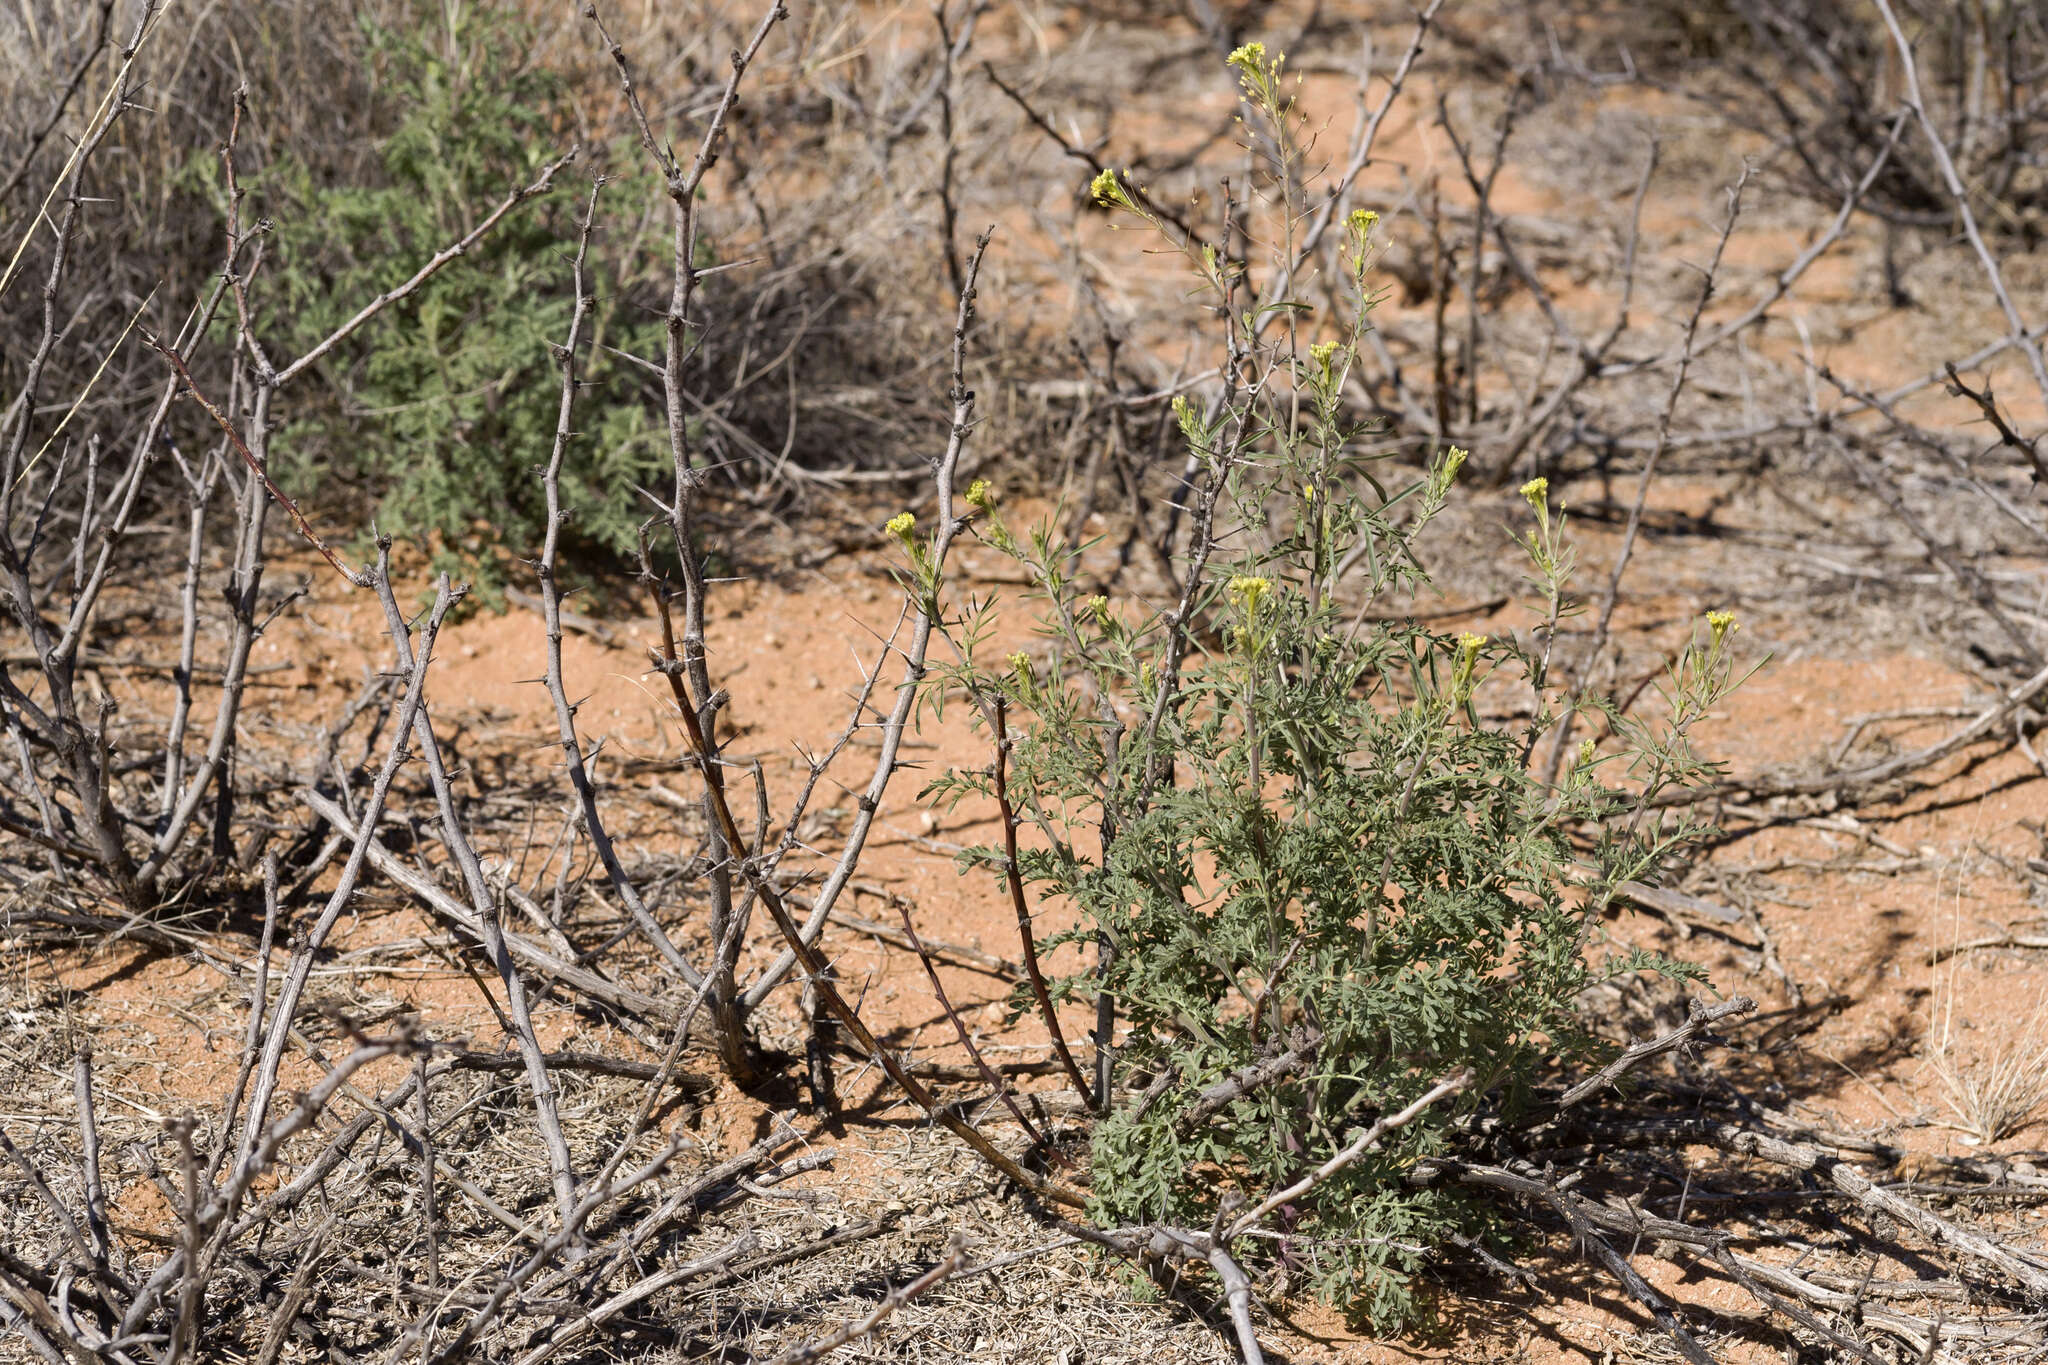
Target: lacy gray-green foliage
x: 1289, y: 820
x: 442, y: 408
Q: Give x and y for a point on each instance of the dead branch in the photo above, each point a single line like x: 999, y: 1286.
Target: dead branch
x: 435, y: 264
x: 1876, y: 774
x: 1301, y: 1050
x: 2028, y: 1270
x: 1916, y: 103
x: 1347, y: 1155
x: 958, y: 953
x: 579, y: 979
x: 1698, y: 1018
x: 360, y: 578
x: 982, y: 1068
x: 551, y: 610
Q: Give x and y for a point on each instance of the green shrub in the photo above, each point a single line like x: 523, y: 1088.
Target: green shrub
x: 442, y: 408
x: 1285, y: 819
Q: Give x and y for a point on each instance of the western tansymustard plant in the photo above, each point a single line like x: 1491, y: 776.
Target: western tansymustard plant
x: 1282, y: 820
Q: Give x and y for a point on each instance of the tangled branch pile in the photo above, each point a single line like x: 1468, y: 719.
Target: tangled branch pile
x: 1341, y: 908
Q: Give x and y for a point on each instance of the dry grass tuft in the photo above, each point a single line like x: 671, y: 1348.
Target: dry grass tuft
x: 1994, y: 1095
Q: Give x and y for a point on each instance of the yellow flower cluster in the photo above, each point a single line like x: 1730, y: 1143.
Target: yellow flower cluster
x: 1250, y: 592
x: 1358, y: 243
x: 901, y: 525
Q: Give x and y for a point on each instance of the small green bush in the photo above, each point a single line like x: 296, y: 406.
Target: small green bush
x: 1282, y: 817
x: 441, y: 409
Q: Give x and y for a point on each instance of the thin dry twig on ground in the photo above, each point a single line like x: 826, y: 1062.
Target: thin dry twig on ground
x: 1855, y: 780
x: 865, y: 1326
x: 1698, y: 1019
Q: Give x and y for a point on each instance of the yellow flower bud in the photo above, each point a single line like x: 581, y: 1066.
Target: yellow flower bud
x: 978, y: 495
x: 901, y: 525
x: 1535, y: 491
x: 1189, y: 415
x: 1468, y: 659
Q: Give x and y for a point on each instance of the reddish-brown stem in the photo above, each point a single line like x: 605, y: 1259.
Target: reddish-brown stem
x: 1015, y: 878
x: 988, y: 1073
x: 221, y: 419
x: 814, y: 965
